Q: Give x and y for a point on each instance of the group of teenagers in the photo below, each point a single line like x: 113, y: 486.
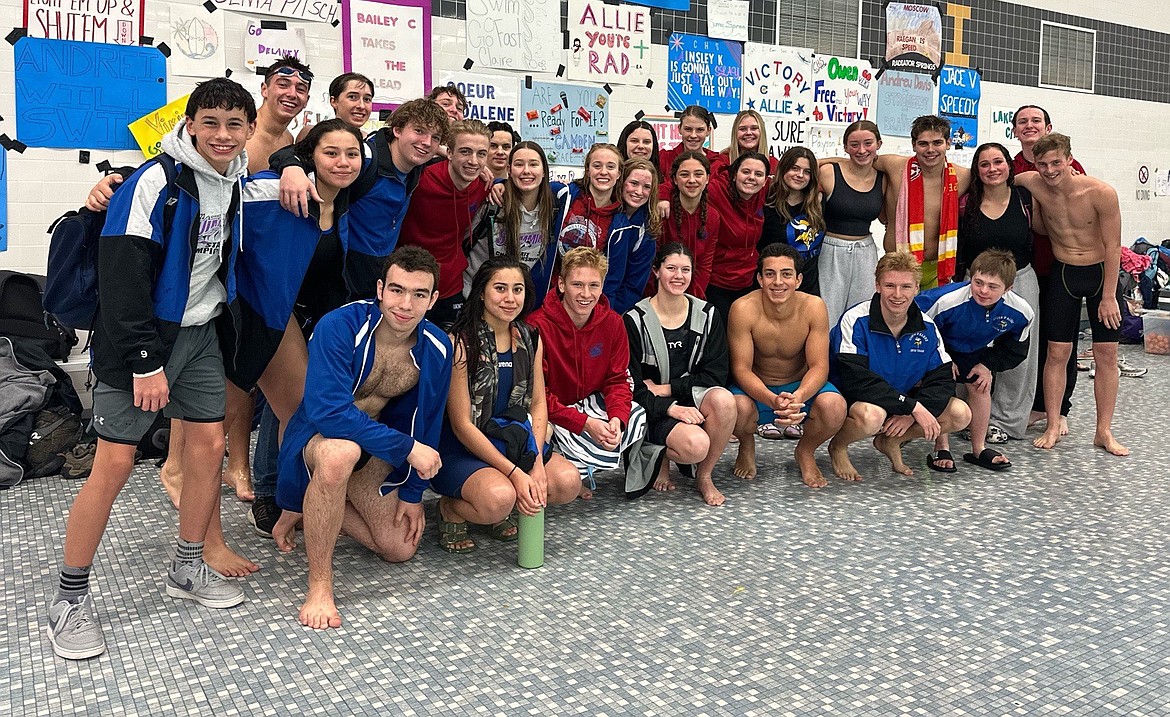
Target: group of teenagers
x: 423, y: 308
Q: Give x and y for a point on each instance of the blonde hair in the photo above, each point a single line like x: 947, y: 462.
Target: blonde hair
x: 1053, y: 142
x: 584, y: 257
x: 732, y: 150
x: 654, y: 217
x: 898, y: 261
x: 466, y: 126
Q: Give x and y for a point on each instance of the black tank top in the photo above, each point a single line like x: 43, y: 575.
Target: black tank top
x: 1010, y: 232
x: 849, y: 212
x: 323, y: 288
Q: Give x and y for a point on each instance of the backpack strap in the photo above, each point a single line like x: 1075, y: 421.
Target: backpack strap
x: 167, y: 162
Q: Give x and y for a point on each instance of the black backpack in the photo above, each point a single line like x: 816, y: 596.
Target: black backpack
x: 23, y: 315
x: 71, y: 288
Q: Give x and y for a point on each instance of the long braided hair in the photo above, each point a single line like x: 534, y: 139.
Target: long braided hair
x: 676, y: 210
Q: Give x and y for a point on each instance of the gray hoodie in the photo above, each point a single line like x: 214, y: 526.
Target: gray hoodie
x: 207, y: 293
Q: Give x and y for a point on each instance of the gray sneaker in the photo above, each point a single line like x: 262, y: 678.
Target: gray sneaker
x: 73, y: 631
x: 198, y: 582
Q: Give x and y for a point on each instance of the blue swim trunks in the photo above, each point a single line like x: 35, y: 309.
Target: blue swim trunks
x: 767, y: 415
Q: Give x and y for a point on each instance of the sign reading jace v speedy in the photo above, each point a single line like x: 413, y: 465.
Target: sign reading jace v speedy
x: 958, y: 101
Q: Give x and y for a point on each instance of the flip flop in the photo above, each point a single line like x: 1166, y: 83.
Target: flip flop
x: 942, y: 455
x: 770, y: 431
x: 986, y: 459
x: 794, y: 432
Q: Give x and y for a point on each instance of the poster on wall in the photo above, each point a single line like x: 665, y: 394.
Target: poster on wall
x: 609, y: 43
x: 515, y: 34
x: 901, y: 97
x: 777, y: 83
x: 958, y: 101
x: 389, y: 42
x: 704, y: 72
x: 197, y: 42
x: 913, y: 37
x: 489, y: 98
x: 82, y: 95
x: 3, y: 200
x: 149, y: 129
x: 999, y: 125
x: 826, y: 140
x: 727, y: 19
x: 117, y: 23
x: 265, y: 45
x: 565, y: 120
x: 842, y: 88
x: 309, y: 10
x: 679, y: 5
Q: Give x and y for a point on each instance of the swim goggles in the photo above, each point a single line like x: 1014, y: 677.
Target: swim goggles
x: 286, y: 71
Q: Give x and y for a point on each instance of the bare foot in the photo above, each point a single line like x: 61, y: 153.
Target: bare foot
x: 842, y: 466
x: 319, y: 612
x: 172, y: 481
x: 707, y: 489
x: 891, y: 449
x: 285, y: 531
x: 1050, y: 438
x: 745, y: 459
x: 810, y: 472
x: 586, y: 493
x: 1035, y: 417
x: 240, y: 479
x: 663, y: 483
x: 224, y: 561
x: 1064, y: 425
x: 1105, y: 439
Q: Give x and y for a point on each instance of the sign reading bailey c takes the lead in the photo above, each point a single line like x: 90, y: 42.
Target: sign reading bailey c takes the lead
x: 704, y: 72
x: 958, y: 101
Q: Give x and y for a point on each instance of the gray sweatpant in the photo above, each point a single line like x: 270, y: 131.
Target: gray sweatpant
x: 846, y: 273
x: 1013, y: 391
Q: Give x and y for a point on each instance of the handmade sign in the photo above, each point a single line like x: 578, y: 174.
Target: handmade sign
x: 489, y: 98
x: 515, y: 34
x: 565, y: 120
x: 197, y: 42
x: 149, y: 129
x: 310, y: 10
x: 704, y: 72
x: 841, y: 89
x: 958, y: 101
x: 118, y: 23
x: 777, y: 83
x: 1000, y: 128
x: 913, y: 37
x: 609, y: 43
x: 902, y: 96
x: 263, y: 46
x: 82, y: 94
x: 727, y: 19
x: 390, y: 42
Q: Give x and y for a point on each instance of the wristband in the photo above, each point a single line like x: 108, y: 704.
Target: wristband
x: 511, y: 471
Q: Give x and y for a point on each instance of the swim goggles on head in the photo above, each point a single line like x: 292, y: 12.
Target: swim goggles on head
x: 286, y: 71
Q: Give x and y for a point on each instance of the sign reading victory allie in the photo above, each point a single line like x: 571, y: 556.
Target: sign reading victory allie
x: 777, y: 83
x: 609, y: 43
x: 391, y: 43
x: 704, y: 72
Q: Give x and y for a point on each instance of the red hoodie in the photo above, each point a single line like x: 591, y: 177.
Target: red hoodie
x: 740, y: 225
x: 703, y: 247
x: 587, y: 224
x: 666, y: 159
x: 582, y: 361
x: 438, y: 220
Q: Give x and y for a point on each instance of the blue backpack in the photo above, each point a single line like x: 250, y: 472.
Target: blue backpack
x: 71, y: 283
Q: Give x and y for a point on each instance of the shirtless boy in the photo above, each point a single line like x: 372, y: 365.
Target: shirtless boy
x: 779, y: 343
x: 942, y: 183
x: 891, y: 366
x: 1082, y: 216
x: 359, y: 451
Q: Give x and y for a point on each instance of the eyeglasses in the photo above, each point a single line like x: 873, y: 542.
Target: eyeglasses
x: 287, y: 71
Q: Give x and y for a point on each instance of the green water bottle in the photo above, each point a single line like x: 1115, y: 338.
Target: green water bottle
x: 530, y: 552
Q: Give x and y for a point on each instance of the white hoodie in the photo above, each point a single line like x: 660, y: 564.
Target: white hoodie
x: 206, y: 292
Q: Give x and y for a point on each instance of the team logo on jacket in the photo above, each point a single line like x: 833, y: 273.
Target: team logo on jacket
x: 595, y: 351
x: 1002, y: 323
x: 917, y: 341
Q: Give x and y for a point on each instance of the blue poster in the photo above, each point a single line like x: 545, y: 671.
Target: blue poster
x: 901, y: 97
x: 704, y: 72
x: 680, y: 5
x: 82, y: 95
x: 3, y: 200
x: 564, y: 119
x: 958, y: 101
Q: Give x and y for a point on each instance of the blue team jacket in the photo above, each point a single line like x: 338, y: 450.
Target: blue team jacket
x: 341, y: 357
x: 997, y: 336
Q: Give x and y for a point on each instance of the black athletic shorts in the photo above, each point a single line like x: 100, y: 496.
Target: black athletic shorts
x: 1068, y: 285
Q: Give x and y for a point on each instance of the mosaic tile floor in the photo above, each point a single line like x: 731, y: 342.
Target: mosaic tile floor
x: 1039, y: 591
